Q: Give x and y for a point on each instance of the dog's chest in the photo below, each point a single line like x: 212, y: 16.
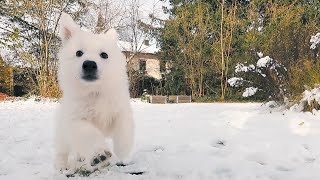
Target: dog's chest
x: 100, y: 112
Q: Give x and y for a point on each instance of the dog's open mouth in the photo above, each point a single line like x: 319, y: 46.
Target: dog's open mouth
x: 89, y: 77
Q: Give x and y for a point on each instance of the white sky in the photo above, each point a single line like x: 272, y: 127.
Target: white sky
x: 148, y: 6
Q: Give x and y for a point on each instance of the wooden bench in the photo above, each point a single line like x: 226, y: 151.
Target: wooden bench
x: 184, y: 99
x: 158, y: 99
x: 173, y: 99
x: 180, y: 99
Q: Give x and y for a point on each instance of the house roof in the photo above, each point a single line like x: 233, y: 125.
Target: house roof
x: 142, y: 48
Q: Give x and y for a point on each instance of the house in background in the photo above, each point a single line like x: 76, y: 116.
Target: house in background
x: 143, y: 58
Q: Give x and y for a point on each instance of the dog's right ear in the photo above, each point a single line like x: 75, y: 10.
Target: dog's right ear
x: 67, y: 27
x: 112, y: 34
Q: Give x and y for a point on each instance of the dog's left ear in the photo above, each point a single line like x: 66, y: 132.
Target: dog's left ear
x: 67, y: 27
x: 112, y: 34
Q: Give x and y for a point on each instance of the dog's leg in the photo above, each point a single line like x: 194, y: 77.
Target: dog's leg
x: 123, y: 135
x: 61, y: 149
x: 89, y: 142
x: 61, y: 158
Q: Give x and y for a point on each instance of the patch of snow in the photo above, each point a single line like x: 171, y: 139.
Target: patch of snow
x: 309, y: 96
x: 243, y: 68
x: 260, y: 54
x: 234, y: 141
x: 302, y: 128
x: 271, y: 104
x: 249, y: 92
x: 263, y: 62
x: 235, y: 82
x: 312, y: 95
x: 260, y: 72
x: 315, y: 40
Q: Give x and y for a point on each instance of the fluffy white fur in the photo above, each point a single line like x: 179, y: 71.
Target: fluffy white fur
x: 90, y: 112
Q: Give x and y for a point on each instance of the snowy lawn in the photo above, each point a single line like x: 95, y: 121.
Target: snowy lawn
x: 176, y: 141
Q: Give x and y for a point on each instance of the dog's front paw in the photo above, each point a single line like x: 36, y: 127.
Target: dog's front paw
x: 68, y: 172
x: 87, y: 166
x: 101, y: 160
x: 83, y: 170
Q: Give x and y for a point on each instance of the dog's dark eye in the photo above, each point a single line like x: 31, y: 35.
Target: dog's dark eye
x: 104, y: 55
x: 79, y: 53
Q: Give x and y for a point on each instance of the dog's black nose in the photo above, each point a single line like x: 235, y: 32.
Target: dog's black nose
x: 89, y: 66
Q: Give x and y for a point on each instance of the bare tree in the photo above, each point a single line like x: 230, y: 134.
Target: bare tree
x: 32, y: 39
x: 137, y: 30
x: 103, y: 15
x: 227, y: 26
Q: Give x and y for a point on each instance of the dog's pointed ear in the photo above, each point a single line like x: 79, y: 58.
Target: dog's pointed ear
x: 67, y: 27
x: 112, y: 34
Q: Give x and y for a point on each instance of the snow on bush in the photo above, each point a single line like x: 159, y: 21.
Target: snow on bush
x: 263, y: 62
x: 309, y: 102
x: 235, y: 82
x: 260, y: 54
x: 249, y: 92
x: 315, y: 40
x: 243, y: 68
x: 266, y: 75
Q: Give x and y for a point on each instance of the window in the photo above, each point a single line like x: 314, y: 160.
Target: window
x: 146, y: 42
x: 142, y: 66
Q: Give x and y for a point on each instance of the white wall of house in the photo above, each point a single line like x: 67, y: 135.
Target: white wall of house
x: 152, y: 64
x: 153, y: 68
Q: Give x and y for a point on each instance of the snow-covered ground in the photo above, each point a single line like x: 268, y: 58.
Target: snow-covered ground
x: 176, y: 141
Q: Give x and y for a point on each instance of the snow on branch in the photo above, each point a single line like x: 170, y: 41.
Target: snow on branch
x: 250, y: 91
x: 235, y: 82
x: 310, y: 101
x: 315, y: 40
x: 264, y: 62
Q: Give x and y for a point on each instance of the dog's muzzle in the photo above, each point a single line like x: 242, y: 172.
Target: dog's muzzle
x: 89, y: 69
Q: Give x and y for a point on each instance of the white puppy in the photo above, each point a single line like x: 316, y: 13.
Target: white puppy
x: 96, y: 102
